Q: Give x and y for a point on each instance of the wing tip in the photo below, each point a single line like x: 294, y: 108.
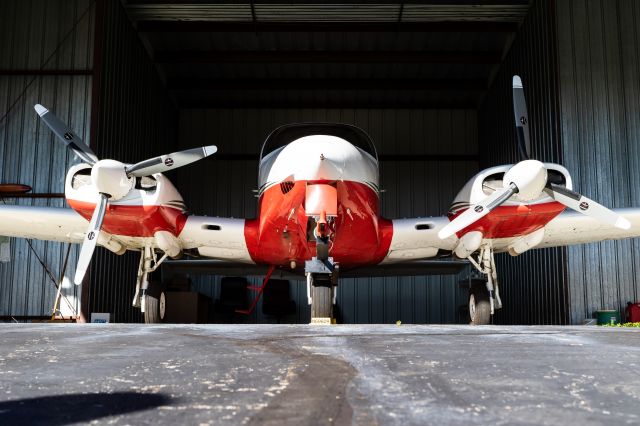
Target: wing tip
x: 517, y: 82
x: 40, y: 109
x: 210, y: 150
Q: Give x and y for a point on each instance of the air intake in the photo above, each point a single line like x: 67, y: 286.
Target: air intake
x: 286, y: 186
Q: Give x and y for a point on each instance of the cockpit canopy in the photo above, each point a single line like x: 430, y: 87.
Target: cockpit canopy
x: 288, y: 133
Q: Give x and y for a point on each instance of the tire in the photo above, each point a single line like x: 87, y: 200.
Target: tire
x: 322, y: 301
x: 155, y: 304
x: 479, y: 306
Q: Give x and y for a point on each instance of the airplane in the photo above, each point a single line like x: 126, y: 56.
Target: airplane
x: 318, y: 216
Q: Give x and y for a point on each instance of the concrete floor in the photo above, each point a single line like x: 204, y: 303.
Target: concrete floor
x: 380, y: 374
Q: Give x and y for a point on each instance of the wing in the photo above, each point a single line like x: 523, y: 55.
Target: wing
x: 574, y: 228
x: 417, y: 239
x: 216, y: 238
x: 51, y: 224
x: 42, y: 223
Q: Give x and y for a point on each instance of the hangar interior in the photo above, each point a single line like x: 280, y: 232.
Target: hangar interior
x: 430, y: 81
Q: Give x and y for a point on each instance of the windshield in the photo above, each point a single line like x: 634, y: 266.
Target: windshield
x: 288, y: 133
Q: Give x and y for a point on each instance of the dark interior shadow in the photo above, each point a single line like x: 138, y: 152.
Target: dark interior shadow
x: 76, y: 408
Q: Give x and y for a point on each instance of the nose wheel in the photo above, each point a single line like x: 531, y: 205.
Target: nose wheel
x: 322, y: 280
x: 322, y: 300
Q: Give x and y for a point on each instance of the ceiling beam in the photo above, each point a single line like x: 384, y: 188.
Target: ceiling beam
x: 341, y: 27
x: 310, y: 56
x: 435, y: 84
x: 21, y: 72
x: 473, y: 3
x: 216, y: 103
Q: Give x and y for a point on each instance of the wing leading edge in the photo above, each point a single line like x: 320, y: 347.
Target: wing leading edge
x: 42, y: 223
x: 572, y: 227
x: 416, y: 239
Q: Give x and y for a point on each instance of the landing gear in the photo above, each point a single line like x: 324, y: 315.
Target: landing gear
x: 147, y: 296
x: 479, y: 305
x: 322, y: 280
x: 155, y: 304
x: 322, y: 291
x: 484, y: 300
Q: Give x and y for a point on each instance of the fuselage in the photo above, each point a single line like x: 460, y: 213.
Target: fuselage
x: 284, y: 229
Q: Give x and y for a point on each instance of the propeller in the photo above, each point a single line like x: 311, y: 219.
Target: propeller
x: 66, y: 135
x: 521, y: 118
x: 527, y: 180
x: 113, y: 179
x: 167, y: 162
x: 90, y: 239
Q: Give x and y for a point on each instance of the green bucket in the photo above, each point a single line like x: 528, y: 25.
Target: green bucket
x: 609, y: 317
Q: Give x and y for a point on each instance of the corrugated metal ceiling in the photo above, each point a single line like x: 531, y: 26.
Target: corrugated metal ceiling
x: 268, y: 44
x: 513, y: 11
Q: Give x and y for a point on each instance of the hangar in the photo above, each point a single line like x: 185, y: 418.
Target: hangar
x: 428, y: 80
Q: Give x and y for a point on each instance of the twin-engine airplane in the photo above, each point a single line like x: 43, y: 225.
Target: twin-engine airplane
x: 318, y: 215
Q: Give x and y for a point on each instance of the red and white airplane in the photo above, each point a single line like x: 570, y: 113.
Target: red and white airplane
x: 318, y: 215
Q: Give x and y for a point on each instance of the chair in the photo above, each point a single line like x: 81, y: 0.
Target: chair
x: 233, y: 296
x: 276, y: 300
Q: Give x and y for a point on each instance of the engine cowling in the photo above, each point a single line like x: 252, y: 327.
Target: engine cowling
x: 529, y: 176
x: 110, y: 178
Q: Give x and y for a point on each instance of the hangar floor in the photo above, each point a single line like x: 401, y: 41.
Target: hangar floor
x: 268, y: 374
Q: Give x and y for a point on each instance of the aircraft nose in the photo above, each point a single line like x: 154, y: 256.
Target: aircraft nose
x: 326, y: 165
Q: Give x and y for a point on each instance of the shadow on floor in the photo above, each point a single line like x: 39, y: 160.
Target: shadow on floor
x: 76, y: 408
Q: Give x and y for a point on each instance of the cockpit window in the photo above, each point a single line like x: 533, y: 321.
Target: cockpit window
x: 286, y: 134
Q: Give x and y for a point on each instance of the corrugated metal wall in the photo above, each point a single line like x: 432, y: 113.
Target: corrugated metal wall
x: 41, y: 35
x: 136, y: 120
x: 413, y: 188
x: 599, y: 64
x: 534, y: 286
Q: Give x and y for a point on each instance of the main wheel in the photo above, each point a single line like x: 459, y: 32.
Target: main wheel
x: 479, y: 305
x: 322, y: 302
x: 155, y: 304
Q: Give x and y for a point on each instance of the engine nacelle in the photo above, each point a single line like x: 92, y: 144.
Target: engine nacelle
x: 109, y: 178
x: 530, y: 176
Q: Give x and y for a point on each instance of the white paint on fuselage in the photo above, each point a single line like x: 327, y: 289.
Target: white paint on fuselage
x: 318, y: 157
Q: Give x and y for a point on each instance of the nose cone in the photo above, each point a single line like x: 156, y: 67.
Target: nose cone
x: 317, y: 157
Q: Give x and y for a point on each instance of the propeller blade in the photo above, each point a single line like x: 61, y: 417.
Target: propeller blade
x: 477, y: 211
x: 167, y: 162
x: 91, y: 239
x: 588, y: 207
x: 522, y: 118
x: 66, y: 135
